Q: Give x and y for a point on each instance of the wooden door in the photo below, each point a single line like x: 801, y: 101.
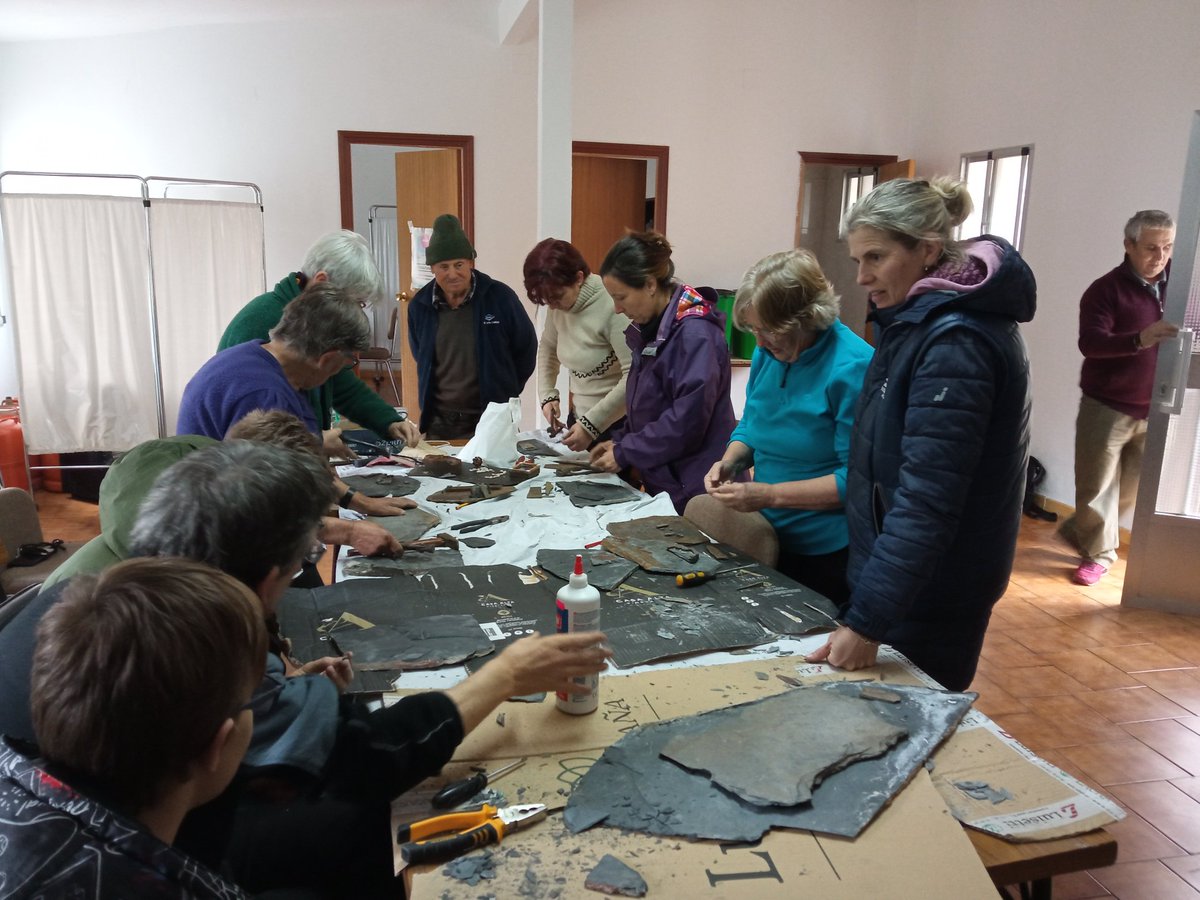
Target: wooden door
x: 608, y: 195
x: 428, y: 183
x: 905, y: 168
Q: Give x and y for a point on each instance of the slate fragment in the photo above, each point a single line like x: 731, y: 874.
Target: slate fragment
x: 633, y: 788
x: 611, y: 876
x: 813, y: 734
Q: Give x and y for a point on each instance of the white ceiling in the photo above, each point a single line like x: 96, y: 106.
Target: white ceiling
x: 23, y: 20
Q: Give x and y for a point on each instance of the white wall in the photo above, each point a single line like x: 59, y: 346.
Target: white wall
x: 1103, y: 89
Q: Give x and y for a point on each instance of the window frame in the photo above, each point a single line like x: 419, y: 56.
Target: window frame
x: 986, y: 204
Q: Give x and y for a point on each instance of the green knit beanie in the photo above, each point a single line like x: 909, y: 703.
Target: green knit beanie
x: 448, y: 241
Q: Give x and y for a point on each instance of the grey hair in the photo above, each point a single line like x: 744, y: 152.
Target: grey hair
x: 914, y: 210
x: 1146, y: 218
x: 321, y: 319
x: 242, y: 507
x: 346, y: 259
x: 789, y: 292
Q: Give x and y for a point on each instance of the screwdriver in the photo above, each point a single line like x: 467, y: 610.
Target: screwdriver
x: 458, y: 792
x: 690, y: 579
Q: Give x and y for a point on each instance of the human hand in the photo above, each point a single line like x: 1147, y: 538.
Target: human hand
x: 370, y: 539
x: 406, y: 431
x: 551, y: 409
x: 333, y: 446
x: 549, y: 663
x: 336, y: 668
x: 743, y: 496
x: 722, y: 472
x: 604, y: 458
x: 578, y: 437
x: 1156, y: 332
x: 846, y: 649
x: 381, y: 506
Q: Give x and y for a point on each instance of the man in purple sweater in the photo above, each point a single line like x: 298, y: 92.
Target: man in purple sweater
x: 1120, y: 328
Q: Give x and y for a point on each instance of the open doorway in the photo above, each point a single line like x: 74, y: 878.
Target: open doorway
x: 829, y: 182
x: 615, y: 187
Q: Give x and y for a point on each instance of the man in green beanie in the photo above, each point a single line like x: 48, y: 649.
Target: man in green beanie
x: 343, y: 259
x: 473, y: 342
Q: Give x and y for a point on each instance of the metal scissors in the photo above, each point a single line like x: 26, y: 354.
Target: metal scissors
x: 468, y: 527
x: 475, y: 828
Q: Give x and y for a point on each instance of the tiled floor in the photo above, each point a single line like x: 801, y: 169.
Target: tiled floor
x: 1109, y: 694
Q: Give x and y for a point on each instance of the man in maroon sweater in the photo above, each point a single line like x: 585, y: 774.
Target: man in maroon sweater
x: 1120, y: 327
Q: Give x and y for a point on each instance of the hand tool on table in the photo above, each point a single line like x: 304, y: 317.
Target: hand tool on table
x: 474, y: 828
x: 690, y: 579
x: 477, y: 524
x: 464, y: 789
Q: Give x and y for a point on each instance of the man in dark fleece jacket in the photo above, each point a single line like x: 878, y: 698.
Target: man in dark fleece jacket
x: 1120, y: 328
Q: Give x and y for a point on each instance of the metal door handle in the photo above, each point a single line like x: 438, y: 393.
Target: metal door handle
x: 1170, y: 391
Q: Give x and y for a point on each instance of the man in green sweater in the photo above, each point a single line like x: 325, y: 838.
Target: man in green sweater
x: 344, y: 259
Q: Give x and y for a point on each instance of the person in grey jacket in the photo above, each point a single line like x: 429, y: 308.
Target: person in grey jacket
x: 941, y: 438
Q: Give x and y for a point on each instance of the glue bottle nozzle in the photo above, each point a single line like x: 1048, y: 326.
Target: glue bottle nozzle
x: 578, y: 564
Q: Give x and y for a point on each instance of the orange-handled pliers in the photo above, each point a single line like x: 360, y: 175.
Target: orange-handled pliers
x: 475, y: 828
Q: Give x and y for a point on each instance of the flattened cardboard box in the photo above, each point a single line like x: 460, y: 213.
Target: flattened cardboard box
x: 915, y: 846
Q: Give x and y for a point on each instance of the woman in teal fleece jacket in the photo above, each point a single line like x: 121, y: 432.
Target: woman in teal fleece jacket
x: 795, y: 431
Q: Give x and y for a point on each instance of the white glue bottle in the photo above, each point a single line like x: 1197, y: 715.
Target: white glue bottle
x: 579, y: 610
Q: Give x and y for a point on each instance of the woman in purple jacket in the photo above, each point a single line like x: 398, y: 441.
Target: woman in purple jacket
x: 678, y: 412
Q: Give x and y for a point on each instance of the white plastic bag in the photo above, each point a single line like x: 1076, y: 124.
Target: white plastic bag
x: 495, y: 437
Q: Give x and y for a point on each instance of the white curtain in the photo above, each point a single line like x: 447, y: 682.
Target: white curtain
x: 385, y: 250
x: 208, y: 263
x: 80, y: 304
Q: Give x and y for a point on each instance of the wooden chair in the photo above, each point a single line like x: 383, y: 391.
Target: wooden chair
x: 385, y: 356
x: 19, y: 524
x: 750, y: 533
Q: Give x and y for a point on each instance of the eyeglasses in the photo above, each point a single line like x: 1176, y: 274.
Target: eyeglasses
x: 351, y: 357
x: 315, y: 552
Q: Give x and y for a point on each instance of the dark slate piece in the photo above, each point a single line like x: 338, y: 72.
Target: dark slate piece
x: 597, y: 493
x: 421, y: 643
x: 773, y: 773
x: 382, y: 484
x: 408, y: 527
x: 382, y: 567
x: 611, y: 876
x: 680, y: 629
x: 471, y: 869
x: 632, y: 787
x: 604, y: 570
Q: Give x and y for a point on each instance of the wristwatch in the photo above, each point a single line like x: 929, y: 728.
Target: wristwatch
x: 346, y: 498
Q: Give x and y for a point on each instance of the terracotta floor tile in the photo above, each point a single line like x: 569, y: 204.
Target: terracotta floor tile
x: 1138, y: 840
x: 1165, y: 807
x: 1192, y: 722
x: 1090, y: 670
x: 1148, y: 657
x: 1122, y: 761
x: 1180, y: 686
x: 1058, y: 759
x: 1185, y: 645
x: 993, y: 700
x: 1067, y: 606
x: 1186, y: 867
x: 1137, y: 704
x: 1077, y: 886
x: 1020, y: 615
x: 1037, y: 681
x: 1002, y: 650
x: 1150, y: 880
x: 1109, y: 633
x: 1190, y: 786
x: 1039, y: 732
x: 1166, y: 736
x: 1052, y: 638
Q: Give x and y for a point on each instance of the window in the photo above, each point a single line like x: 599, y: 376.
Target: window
x: 856, y: 184
x: 999, y: 185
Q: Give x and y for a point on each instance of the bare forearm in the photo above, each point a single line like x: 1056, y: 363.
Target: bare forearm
x: 812, y: 493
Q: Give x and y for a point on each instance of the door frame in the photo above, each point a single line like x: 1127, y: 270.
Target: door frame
x: 659, y: 154
x: 464, y: 143
x: 814, y: 158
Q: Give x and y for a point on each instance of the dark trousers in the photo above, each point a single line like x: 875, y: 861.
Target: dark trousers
x: 824, y: 573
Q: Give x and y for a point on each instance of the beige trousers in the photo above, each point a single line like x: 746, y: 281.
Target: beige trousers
x: 1108, y: 464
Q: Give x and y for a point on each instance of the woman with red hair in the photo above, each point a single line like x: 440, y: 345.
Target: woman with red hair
x: 585, y: 334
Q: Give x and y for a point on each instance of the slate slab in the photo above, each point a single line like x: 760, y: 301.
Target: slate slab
x: 382, y: 484
x: 408, y: 527
x: 782, y: 771
x: 632, y: 787
x: 421, y: 643
x: 597, y: 493
x: 604, y: 570
x: 611, y: 876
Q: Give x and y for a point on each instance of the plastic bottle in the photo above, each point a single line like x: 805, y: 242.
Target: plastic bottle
x: 579, y: 610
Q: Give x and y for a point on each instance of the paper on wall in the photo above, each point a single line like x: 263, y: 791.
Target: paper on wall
x: 422, y: 274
